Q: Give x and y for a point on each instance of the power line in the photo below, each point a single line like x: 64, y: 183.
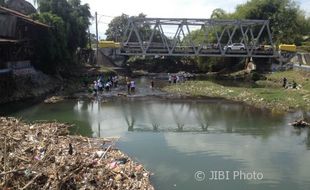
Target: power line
x: 103, y: 23
x: 106, y: 16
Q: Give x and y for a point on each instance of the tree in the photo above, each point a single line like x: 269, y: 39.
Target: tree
x: 75, y: 16
x: 51, y: 45
x: 288, y: 24
x: 219, y: 14
x: 117, y: 27
x: 69, y: 21
x: 286, y: 19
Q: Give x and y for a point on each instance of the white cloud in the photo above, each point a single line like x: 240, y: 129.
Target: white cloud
x: 162, y: 8
x: 158, y: 8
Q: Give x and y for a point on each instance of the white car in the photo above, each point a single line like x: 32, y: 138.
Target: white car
x: 234, y: 46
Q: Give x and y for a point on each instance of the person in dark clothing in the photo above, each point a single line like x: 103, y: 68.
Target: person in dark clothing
x: 128, y: 87
x: 284, y: 82
x: 294, y: 84
x: 152, y: 84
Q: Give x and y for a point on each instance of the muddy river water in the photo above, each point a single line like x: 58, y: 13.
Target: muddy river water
x: 192, y: 144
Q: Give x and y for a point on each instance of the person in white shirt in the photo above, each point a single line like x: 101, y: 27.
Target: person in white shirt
x: 95, y: 87
x: 132, y: 86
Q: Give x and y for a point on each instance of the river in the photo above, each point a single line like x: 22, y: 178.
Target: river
x: 176, y: 139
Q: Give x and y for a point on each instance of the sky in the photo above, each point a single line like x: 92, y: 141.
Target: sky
x: 107, y: 9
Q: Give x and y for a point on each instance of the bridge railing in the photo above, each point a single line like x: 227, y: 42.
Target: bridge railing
x: 174, y: 37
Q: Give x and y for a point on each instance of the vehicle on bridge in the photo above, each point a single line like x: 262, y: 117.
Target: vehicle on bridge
x: 288, y: 47
x: 234, y: 46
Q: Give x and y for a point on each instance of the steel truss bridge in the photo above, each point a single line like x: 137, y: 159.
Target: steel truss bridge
x: 173, y: 37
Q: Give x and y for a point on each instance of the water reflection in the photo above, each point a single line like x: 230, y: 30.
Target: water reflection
x: 308, y: 139
x: 191, y: 135
x: 190, y: 116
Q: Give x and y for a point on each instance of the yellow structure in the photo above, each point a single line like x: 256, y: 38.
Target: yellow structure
x: 108, y: 44
x: 288, y: 47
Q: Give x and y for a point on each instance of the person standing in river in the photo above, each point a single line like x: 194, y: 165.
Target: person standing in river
x: 132, y: 86
x: 95, y: 88
x: 169, y: 78
x: 174, y: 77
x: 152, y: 84
x: 128, y: 85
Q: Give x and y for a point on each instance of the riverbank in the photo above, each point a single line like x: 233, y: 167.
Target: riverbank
x: 267, y: 93
x: 32, y: 85
x: 37, y: 85
x: 43, y: 156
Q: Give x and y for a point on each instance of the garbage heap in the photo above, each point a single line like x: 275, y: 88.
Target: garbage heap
x: 45, y: 156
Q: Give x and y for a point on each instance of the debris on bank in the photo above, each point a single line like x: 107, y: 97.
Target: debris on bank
x: 54, y: 99
x: 300, y: 123
x: 45, y: 156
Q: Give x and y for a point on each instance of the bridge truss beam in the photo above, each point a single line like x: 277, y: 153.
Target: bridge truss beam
x: 152, y: 36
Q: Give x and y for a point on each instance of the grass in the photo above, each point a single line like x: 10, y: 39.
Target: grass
x: 105, y: 70
x: 268, y: 93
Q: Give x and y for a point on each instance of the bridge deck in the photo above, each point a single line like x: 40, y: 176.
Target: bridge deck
x: 189, y: 51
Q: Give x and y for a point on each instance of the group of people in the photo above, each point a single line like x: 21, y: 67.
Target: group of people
x: 100, y: 84
x: 173, y: 79
x: 176, y: 78
x: 286, y: 84
x: 131, y: 86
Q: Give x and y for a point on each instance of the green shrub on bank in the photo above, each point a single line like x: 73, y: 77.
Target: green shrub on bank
x: 269, y: 93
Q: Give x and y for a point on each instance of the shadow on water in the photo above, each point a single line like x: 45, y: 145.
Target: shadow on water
x: 11, y: 108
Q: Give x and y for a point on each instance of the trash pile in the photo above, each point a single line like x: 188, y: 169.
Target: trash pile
x: 44, y: 156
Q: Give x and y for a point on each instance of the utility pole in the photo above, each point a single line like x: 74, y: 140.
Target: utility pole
x: 97, y: 41
x: 89, y: 39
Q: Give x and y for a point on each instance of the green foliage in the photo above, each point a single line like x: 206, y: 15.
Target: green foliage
x: 220, y: 64
x: 51, y: 45
x: 117, y: 27
x: 219, y: 14
x: 159, y: 65
x: 271, y: 95
x: 198, y: 37
x: 287, y: 22
x: 69, y: 21
x: 76, y: 19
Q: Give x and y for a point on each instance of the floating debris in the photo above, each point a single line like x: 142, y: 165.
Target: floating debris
x: 45, y: 156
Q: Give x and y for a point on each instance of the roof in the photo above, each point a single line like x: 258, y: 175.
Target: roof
x: 21, y: 16
x: 22, y: 6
